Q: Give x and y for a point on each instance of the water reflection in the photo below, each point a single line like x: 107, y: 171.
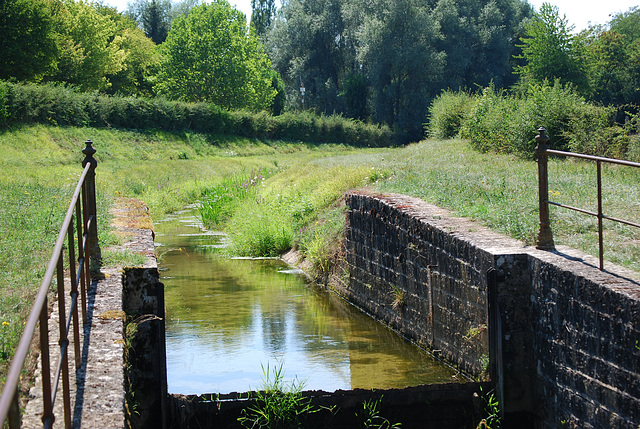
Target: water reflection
x: 226, y: 318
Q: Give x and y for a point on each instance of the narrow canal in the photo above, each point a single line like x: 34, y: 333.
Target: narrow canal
x: 228, y: 319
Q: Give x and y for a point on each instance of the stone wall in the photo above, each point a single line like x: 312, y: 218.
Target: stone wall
x: 146, y: 378
x: 564, y: 338
x: 586, y: 342
x: 439, y: 406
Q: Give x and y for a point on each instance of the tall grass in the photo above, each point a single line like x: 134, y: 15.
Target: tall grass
x: 287, y: 210
x: 217, y: 202
x: 31, y: 214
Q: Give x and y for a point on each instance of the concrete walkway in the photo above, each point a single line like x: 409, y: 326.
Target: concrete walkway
x: 97, y: 384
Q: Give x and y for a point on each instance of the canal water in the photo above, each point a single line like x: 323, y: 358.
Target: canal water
x: 228, y: 320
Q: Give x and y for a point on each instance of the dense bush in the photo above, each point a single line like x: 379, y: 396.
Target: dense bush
x: 447, y: 112
x: 62, y: 105
x: 4, y: 114
x: 507, y: 123
x: 497, y: 122
x: 593, y: 131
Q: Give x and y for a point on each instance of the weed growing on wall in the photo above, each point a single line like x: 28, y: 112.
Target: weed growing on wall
x: 277, y: 405
x: 369, y: 416
x: 491, y: 408
x: 397, y: 296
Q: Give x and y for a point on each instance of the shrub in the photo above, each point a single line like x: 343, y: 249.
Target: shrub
x: 507, y: 123
x: 488, y: 126
x: 63, y: 105
x: 553, y: 107
x: 4, y: 103
x: 632, y: 127
x: 591, y: 130
x: 447, y: 112
x: 295, y: 127
x: 249, y: 124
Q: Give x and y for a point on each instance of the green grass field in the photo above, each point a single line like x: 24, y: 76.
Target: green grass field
x: 294, y: 202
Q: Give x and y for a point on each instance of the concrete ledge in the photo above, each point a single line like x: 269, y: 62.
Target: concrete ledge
x: 97, y: 384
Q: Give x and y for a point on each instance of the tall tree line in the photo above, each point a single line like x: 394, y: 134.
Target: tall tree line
x: 374, y: 60
x: 386, y: 59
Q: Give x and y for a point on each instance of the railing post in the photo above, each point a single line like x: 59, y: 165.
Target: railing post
x: 545, y: 237
x: 91, y: 207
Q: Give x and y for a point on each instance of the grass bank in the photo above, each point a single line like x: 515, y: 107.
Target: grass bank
x: 301, y: 204
x: 40, y: 166
x: 294, y: 200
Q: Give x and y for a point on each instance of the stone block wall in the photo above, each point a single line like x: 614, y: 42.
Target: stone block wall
x: 587, y: 347
x: 417, y: 276
x: 565, y: 337
x: 440, y: 406
x: 146, y: 378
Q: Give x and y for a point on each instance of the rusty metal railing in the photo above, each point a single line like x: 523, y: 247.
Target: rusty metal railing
x: 79, y: 229
x: 545, y: 237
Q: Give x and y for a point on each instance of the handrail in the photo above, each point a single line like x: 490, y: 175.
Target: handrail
x: 545, y: 237
x: 83, y: 208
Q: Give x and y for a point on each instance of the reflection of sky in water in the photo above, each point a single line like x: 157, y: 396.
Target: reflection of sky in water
x: 227, y: 318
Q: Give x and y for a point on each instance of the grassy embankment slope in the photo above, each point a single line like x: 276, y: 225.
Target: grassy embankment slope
x: 298, y: 198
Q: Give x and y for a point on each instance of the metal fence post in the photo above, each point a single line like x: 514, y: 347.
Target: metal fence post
x: 91, y: 207
x: 545, y: 237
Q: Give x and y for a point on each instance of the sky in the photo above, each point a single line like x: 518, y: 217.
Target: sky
x: 243, y: 5
x: 579, y: 12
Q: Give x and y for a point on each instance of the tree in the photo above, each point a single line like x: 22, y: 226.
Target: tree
x: 478, y: 39
x: 211, y: 56
x: 262, y: 13
x: 140, y: 55
x: 551, y: 51
x: 614, y: 65
x: 278, y: 104
x: 182, y: 8
x: 615, y: 59
x: 403, y: 66
x: 627, y: 24
x: 28, y: 40
x: 89, y: 47
x: 383, y: 60
x: 155, y: 20
x: 153, y: 16
x: 307, y: 44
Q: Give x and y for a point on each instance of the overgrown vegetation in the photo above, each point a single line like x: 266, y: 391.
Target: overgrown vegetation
x: 279, y: 405
x: 496, y: 120
x: 491, y: 409
x: 61, y: 105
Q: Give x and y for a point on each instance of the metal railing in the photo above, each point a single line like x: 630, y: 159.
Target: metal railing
x: 545, y: 237
x: 80, y: 230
